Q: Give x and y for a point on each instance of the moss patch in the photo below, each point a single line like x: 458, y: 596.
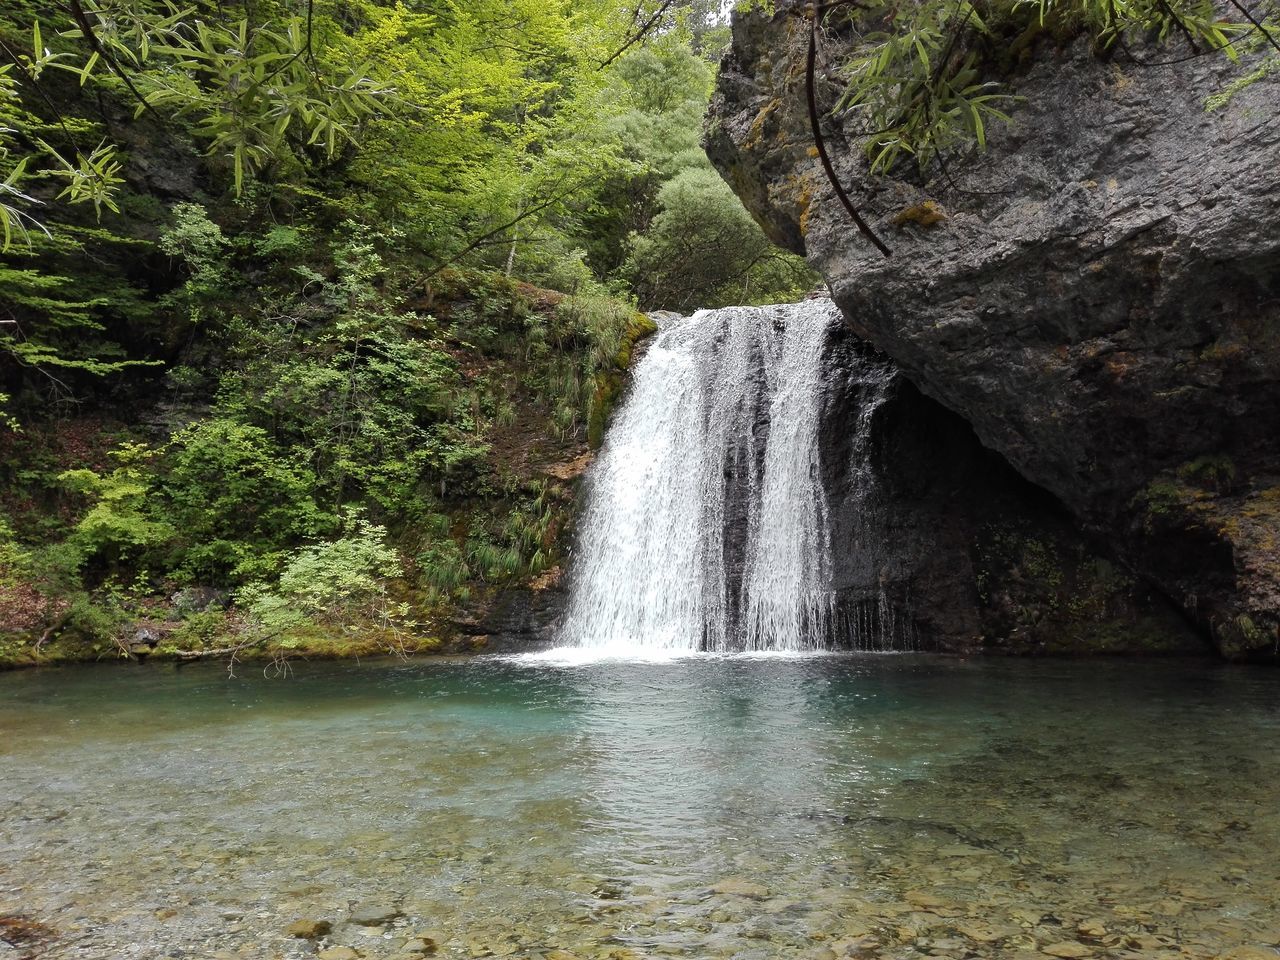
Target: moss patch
x: 1050, y: 595
x: 610, y: 383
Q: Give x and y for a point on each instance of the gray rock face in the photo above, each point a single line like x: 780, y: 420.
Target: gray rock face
x: 1106, y: 314
x: 939, y: 544
x: 516, y: 619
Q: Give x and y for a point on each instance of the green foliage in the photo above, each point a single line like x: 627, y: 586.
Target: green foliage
x: 371, y: 404
x: 199, y: 630
x: 93, y: 178
x: 442, y: 568
x: 15, y: 560
x: 1268, y: 67
x: 342, y: 343
x: 14, y: 220
x: 665, y: 223
x: 117, y: 527
x: 333, y: 582
x: 235, y: 501
x: 704, y: 250
x: 257, y: 94
x: 96, y: 622
x: 67, y: 296
x: 1213, y: 471
x: 1197, y: 21
x: 282, y: 243
x: 917, y: 102
x: 197, y: 241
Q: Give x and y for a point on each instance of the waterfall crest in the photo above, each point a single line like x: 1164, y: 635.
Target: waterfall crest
x: 706, y: 522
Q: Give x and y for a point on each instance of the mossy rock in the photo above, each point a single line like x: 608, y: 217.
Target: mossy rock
x: 609, y: 383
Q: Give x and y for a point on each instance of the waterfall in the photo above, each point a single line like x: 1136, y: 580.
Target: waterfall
x: 706, y: 523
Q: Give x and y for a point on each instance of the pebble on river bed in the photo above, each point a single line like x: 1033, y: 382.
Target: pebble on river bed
x: 420, y: 945
x: 374, y: 914
x: 738, y: 887
x: 1067, y: 950
x: 309, y: 929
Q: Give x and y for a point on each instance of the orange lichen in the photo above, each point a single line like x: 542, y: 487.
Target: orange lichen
x: 925, y: 214
x: 756, y: 133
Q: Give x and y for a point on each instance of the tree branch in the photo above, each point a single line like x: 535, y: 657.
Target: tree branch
x: 818, y: 141
x: 1256, y: 23
x: 91, y: 38
x: 641, y: 32
x: 488, y: 235
x: 1182, y: 27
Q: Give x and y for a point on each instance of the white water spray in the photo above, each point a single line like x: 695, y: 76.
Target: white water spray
x: 718, y: 435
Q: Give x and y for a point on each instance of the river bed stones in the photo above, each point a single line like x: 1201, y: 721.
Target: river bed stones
x: 1067, y: 950
x: 309, y: 929
x: 1081, y: 839
x: 741, y: 887
x: 374, y: 913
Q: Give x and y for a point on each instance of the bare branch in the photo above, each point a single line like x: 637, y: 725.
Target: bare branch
x: 819, y: 142
x: 91, y: 38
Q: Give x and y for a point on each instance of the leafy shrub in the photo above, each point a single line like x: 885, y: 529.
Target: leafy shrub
x: 283, y: 243
x: 199, y: 630
x: 234, y: 499
x: 335, y: 582
x: 15, y: 561
x: 198, y: 243
x: 442, y: 568
x: 118, y: 526
x: 94, y: 622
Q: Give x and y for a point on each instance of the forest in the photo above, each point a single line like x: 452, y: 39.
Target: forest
x: 304, y: 305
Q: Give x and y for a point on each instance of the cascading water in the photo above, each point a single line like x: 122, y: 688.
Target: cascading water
x: 718, y: 436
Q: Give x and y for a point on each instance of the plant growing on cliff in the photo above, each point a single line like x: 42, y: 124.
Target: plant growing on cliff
x: 924, y: 79
x: 908, y: 92
x: 922, y: 76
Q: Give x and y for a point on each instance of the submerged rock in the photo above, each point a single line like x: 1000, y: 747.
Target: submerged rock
x: 420, y: 945
x: 739, y: 887
x: 1101, y: 302
x: 191, y: 600
x: 374, y: 914
x: 1067, y: 949
x: 309, y: 929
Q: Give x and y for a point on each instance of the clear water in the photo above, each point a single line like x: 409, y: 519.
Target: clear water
x: 704, y: 807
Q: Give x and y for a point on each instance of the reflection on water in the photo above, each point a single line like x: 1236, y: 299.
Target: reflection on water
x: 702, y: 807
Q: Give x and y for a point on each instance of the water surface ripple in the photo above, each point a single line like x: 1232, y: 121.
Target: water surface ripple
x: 704, y: 807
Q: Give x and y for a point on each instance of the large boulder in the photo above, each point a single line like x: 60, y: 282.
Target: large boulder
x: 1101, y: 301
